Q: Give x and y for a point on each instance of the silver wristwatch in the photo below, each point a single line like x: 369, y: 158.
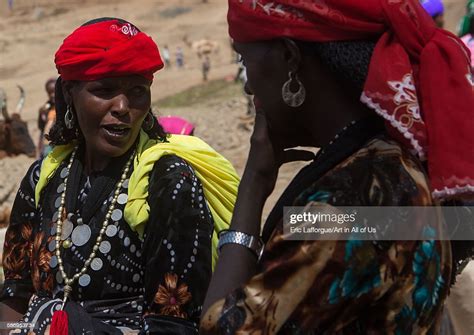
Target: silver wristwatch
x: 253, y: 243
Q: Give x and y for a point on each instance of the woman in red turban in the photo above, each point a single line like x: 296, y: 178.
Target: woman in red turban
x: 111, y: 232
x: 388, y: 98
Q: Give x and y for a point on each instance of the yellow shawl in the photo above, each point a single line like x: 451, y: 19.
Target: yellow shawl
x: 217, y: 176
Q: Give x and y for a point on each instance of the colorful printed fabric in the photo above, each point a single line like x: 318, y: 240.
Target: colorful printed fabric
x: 419, y: 78
x: 465, y: 23
x: 346, y: 287
x: 107, y: 49
x: 155, y: 284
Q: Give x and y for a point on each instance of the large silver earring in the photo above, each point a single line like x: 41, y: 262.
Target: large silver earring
x: 293, y: 99
x: 69, y: 118
x: 149, y: 121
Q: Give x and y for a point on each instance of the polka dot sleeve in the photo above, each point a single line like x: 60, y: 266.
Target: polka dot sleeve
x: 177, y: 246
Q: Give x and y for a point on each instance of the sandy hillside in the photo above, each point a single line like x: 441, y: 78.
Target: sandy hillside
x: 29, y: 37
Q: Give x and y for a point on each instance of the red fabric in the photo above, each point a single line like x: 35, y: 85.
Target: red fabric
x: 107, y: 49
x: 59, y: 323
x: 419, y: 77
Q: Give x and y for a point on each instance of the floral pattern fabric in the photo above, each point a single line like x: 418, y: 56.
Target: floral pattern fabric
x: 346, y: 287
x: 156, y: 284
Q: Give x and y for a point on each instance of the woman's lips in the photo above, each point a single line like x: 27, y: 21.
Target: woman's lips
x: 116, y: 132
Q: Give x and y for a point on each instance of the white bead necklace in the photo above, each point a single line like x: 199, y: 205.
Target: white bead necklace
x: 70, y: 281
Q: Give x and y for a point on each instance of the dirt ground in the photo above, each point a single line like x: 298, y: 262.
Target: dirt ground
x: 31, y: 33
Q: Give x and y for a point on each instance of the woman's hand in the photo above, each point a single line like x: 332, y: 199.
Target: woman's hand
x: 267, y: 155
x: 236, y: 264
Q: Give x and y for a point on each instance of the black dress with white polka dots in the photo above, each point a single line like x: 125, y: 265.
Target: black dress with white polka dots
x: 155, y: 284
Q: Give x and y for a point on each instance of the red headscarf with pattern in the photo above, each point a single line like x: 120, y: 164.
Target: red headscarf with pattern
x: 109, y: 48
x: 419, y: 77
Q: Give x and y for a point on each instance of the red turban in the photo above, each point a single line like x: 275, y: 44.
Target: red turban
x: 104, y: 49
x: 419, y: 78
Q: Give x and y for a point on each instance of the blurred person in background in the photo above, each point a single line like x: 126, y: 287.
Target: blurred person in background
x: 466, y: 29
x: 166, y: 56
x: 206, y: 67
x: 179, y: 57
x: 46, y: 118
x: 464, y: 26
x: 387, y: 96
x: 436, y: 10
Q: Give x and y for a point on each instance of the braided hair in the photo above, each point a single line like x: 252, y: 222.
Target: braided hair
x: 347, y: 60
x: 60, y: 134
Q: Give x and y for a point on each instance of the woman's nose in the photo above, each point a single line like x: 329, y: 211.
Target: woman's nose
x: 120, y: 105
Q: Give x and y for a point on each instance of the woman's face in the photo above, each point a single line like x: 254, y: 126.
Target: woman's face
x: 267, y: 71
x: 110, y: 112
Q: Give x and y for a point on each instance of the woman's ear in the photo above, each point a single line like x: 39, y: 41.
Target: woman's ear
x: 292, y: 54
x: 66, y: 87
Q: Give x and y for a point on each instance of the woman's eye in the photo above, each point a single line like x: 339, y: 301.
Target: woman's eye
x: 139, y: 90
x: 103, y: 90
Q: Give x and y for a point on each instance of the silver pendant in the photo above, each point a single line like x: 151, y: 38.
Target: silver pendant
x: 111, y: 230
x: 59, y: 277
x: 122, y: 199
x: 81, y: 235
x: 61, y: 188
x: 116, y: 215
x: 126, y: 241
x: 84, y: 280
x: 96, y: 264
x: 52, y: 245
x: 53, y: 262
x: 66, y: 230
x: 125, y: 183
x: 105, y: 247
x: 64, y: 172
x: 57, y: 203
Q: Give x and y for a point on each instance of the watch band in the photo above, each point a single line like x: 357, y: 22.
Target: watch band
x: 253, y: 243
